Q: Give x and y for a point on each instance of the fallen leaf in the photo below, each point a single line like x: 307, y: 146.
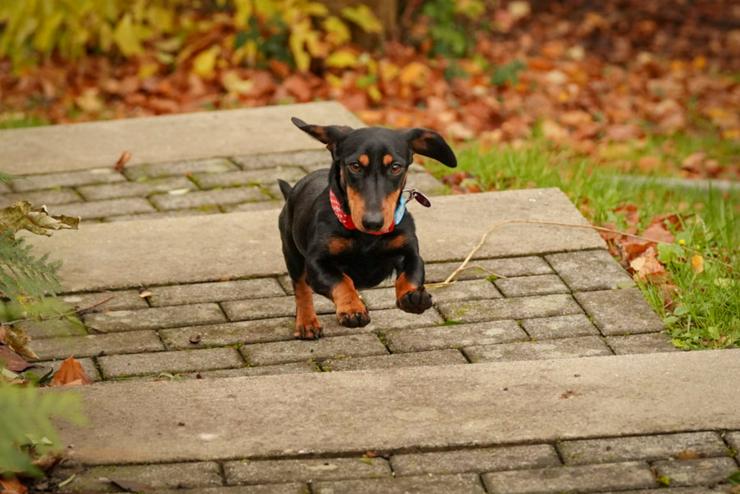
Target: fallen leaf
x: 145, y: 294
x: 122, y: 160
x: 697, y: 263
x: 12, y: 361
x: 12, y: 486
x: 70, y: 373
x: 687, y: 454
x: 647, y: 267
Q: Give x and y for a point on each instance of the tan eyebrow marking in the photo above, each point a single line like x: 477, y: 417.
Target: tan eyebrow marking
x: 387, y: 159
x: 364, y: 159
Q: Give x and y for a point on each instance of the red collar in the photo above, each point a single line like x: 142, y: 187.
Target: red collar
x: 346, y: 220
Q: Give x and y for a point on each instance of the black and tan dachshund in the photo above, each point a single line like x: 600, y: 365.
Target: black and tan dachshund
x: 346, y: 228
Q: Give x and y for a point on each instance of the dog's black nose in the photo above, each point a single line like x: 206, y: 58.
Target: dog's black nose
x: 373, y: 221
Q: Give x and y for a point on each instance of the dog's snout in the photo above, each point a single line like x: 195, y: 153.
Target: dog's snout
x: 373, y: 221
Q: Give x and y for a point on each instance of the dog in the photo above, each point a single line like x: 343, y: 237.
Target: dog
x: 346, y: 228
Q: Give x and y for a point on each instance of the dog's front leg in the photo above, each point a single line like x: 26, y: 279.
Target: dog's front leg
x: 329, y: 281
x: 411, y: 296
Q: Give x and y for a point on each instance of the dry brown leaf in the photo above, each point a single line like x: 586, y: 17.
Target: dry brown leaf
x: 647, y: 267
x: 687, y: 454
x: 12, y: 361
x: 12, y: 486
x: 122, y: 160
x: 70, y: 373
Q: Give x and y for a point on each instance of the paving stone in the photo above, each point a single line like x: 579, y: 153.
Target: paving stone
x: 266, y: 471
x: 265, y: 177
x: 54, y: 328
x: 292, y: 488
x: 300, y: 158
x: 357, y: 345
x: 101, y: 209
x: 453, y: 336
x: 586, y: 346
x: 176, y: 475
x: 213, y: 197
x: 655, y: 447
x: 676, y: 490
x: 252, y: 206
x: 629, y: 475
x: 87, y: 365
x: 559, y: 327
x: 238, y: 310
x: 531, y: 285
x: 385, y: 298
x: 175, y: 213
x: 263, y: 370
x: 92, y: 345
x: 66, y: 179
x: 733, y: 439
x: 141, y: 188
x: 696, y: 472
x: 215, y: 292
x: 427, y: 484
x: 381, y: 320
x: 258, y: 331
x: 476, y: 460
x: 620, y: 311
x: 49, y: 197
x: 172, y: 362
x: 182, y: 250
x: 483, y: 268
x: 426, y: 183
x: 158, y: 170
x: 155, y: 318
x: 415, y: 359
x: 162, y: 138
x: 454, y: 406
x: 590, y: 270
x: 512, y: 308
x: 4, y: 188
x: 119, y: 300
x: 641, y: 343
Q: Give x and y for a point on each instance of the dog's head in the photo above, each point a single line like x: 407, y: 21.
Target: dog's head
x: 369, y: 166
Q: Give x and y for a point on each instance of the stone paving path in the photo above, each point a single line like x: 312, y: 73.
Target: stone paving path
x: 194, y: 300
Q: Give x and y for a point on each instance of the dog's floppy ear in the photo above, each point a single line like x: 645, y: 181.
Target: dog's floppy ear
x: 328, y: 134
x: 429, y: 143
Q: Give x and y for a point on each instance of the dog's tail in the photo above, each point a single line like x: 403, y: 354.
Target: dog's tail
x: 285, y: 188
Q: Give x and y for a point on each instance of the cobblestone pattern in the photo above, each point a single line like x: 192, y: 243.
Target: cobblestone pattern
x: 526, y: 311
x: 686, y: 462
x: 183, y: 188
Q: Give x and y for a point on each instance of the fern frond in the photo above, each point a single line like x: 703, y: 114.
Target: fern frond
x: 22, y: 275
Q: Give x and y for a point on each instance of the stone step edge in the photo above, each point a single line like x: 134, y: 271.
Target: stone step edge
x: 454, y: 406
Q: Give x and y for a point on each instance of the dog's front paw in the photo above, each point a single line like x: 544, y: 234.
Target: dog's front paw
x: 357, y: 317
x: 307, y: 328
x: 415, y: 301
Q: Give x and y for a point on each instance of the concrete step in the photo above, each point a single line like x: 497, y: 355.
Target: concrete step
x: 405, y: 409
x: 190, y: 136
x: 238, y: 245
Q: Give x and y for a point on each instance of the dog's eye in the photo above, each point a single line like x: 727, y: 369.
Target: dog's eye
x: 396, y: 168
x: 354, y: 167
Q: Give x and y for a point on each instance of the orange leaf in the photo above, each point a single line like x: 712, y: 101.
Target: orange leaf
x: 657, y: 232
x: 12, y: 486
x: 697, y: 263
x: 125, y: 156
x: 70, y: 373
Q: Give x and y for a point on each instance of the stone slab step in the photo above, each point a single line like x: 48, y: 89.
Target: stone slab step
x: 187, y: 136
x: 238, y: 245
x: 403, y: 409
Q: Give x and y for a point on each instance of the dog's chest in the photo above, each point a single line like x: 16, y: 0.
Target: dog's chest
x: 368, y: 267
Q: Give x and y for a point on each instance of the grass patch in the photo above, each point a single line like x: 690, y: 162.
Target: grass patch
x: 704, y: 308
x: 20, y: 120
